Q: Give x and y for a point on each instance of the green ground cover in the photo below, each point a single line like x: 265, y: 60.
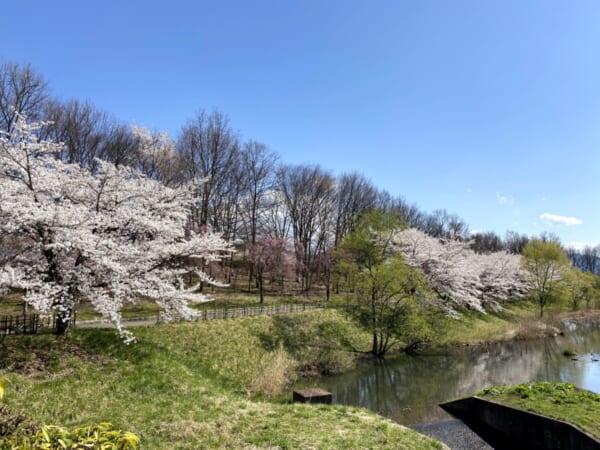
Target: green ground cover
x: 562, y: 401
x: 517, y: 320
x: 199, y: 385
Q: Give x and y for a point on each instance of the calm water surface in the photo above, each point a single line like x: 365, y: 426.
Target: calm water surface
x: 409, y: 389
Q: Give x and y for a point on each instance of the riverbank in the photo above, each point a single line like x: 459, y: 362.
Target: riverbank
x: 515, y: 322
x: 408, y: 389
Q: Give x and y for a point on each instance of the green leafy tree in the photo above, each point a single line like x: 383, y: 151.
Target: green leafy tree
x: 594, y: 290
x: 579, y: 287
x: 386, y: 290
x: 544, y: 262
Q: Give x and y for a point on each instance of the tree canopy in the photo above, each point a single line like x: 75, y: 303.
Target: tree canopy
x: 544, y: 262
x: 386, y: 290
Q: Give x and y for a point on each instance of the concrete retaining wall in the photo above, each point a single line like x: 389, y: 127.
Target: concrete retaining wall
x: 505, y: 427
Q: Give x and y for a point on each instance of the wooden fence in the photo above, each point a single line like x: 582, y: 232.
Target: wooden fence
x: 24, y: 324
x: 248, y: 311
x: 33, y: 323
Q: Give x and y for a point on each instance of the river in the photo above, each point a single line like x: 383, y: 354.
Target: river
x: 408, y: 389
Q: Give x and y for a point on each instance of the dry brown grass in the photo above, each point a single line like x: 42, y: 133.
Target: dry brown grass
x: 277, y: 371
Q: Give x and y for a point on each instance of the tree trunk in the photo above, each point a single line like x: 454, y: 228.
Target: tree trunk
x: 259, y: 278
x: 375, y: 349
x: 63, y: 323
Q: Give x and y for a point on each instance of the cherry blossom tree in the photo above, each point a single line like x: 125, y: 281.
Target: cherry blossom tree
x: 460, y: 276
x: 108, y: 237
x: 268, y: 254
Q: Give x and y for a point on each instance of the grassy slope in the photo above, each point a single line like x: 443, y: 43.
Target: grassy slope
x: 519, y: 320
x: 183, y: 386
x: 559, y: 400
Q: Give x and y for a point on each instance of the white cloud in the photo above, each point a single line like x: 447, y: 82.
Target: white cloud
x: 580, y: 245
x: 556, y: 219
x: 505, y: 199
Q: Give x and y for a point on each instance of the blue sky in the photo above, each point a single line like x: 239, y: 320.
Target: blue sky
x: 488, y: 109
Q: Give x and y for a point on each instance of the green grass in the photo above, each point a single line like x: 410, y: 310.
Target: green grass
x: 562, y: 401
x: 189, y: 385
x: 11, y: 304
x: 518, y: 320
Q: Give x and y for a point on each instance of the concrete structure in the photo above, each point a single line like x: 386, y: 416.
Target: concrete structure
x: 505, y: 427
x: 312, y: 395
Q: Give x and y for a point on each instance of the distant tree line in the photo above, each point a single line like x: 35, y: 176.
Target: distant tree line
x: 586, y: 259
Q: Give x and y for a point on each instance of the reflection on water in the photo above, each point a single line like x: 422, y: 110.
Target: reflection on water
x: 409, y: 389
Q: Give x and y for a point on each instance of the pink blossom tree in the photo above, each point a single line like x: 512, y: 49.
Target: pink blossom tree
x: 268, y: 254
x: 108, y: 237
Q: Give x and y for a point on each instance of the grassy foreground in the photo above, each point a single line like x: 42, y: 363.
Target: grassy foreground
x: 562, y: 401
x: 199, y: 385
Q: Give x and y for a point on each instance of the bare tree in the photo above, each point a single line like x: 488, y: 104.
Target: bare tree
x: 275, y: 218
x: 308, y: 192
x: 488, y: 242
x: 258, y: 171
x: 225, y: 205
x: 22, y: 91
x: 409, y: 213
x: 441, y: 224
x: 354, y: 195
x: 515, y: 242
x: 88, y: 133
x: 119, y: 146
x: 210, y: 148
x: 589, y: 257
x: 585, y: 259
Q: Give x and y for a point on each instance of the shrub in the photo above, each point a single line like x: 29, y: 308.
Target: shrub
x: 277, y: 371
x: 50, y: 437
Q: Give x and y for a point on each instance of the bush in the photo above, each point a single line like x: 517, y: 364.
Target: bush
x: 277, y: 371
x: 50, y: 437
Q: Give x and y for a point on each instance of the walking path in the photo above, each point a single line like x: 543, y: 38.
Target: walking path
x: 209, y: 314
x: 454, y: 433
